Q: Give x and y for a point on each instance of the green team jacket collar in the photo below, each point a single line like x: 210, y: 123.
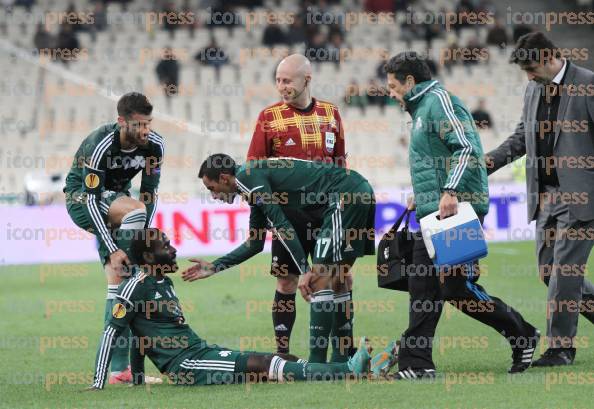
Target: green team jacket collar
x: 413, y: 97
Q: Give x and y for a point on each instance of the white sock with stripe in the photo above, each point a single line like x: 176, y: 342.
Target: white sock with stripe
x: 132, y: 223
x: 112, y: 290
x: 275, y: 371
x: 136, y: 219
x: 323, y: 296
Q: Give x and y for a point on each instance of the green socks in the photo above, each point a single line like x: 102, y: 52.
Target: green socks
x: 282, y: 370
x: 330, y: 314
x: 320, y: 324
x: 341, y: 336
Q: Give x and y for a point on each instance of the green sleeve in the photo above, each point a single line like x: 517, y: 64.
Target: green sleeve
x: 252, y: 246
x: 150, y: 182
x: 129, y: 300
x: 455, y: 127
x: 261, y: 195
x: 93, y: 181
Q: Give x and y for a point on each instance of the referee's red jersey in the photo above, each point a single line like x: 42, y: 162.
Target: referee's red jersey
x: 314, y: 133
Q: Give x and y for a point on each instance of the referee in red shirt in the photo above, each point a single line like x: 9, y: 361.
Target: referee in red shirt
x: 302, y: 127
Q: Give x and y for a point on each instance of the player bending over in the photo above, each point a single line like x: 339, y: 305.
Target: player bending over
x: 147, y: 304
x: 274, y: 184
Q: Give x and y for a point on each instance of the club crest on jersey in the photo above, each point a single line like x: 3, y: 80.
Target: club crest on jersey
x: 127, y: 162
x: 330, y: 141
x: 118, y: 311
x: 419, y: 123
x: 224, y: 354
x: 92, y: 180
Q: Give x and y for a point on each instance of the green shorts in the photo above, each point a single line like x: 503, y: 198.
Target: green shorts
x: 348, y: 229
x: 212, y: 365
x: 76, y: 205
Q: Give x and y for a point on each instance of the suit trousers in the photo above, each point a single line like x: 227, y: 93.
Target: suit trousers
x: 563, y: 245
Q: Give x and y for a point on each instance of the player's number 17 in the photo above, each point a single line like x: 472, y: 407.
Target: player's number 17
x: 322, y: 242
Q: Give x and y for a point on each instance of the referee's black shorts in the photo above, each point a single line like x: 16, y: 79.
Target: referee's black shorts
x: 306, y: 224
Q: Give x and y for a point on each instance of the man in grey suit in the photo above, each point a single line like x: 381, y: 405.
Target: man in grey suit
x: 556, y: 133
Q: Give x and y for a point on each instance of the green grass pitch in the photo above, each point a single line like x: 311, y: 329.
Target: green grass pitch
x: 51, y: 323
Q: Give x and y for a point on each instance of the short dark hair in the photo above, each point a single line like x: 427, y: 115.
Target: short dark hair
x: 134, y: 103
x: 408, y: 63
x: 142, y: 241
x: 533, y: 48
x: 215, y: 165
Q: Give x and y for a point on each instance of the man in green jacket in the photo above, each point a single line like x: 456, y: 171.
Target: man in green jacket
x: 446, y: 166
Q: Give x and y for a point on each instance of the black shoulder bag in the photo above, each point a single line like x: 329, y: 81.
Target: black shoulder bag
x: 394, y: 254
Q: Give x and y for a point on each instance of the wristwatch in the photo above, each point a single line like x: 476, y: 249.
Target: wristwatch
x: 450, y: 192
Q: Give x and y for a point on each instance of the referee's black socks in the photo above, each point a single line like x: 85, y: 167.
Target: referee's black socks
x: 283, y: 318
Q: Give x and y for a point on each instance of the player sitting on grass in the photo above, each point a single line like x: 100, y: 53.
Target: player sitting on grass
x: 146, y: 302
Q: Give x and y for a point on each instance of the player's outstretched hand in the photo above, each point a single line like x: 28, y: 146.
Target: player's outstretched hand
x: 202, y: 269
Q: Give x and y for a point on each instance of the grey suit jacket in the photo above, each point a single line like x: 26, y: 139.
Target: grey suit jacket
x: 573, y: 149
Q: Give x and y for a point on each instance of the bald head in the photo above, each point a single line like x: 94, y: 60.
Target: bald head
x: 293, y: 78
x: 295, y: 64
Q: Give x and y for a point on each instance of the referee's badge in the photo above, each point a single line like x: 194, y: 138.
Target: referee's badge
x: 330, y: 141
x: 118, y: 311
